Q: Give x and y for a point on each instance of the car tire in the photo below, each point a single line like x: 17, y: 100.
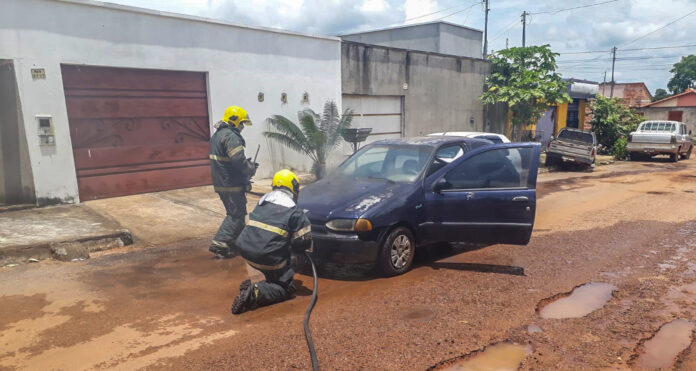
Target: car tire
x: 634, y: 157
x: 397, y: 251
x: 674, y: 157
x: 687, y: 155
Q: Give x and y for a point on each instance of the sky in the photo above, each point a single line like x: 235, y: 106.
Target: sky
x: 626, y: 24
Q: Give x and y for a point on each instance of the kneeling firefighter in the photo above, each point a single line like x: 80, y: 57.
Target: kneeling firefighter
x: 231, y: 172
x: 276, y: 228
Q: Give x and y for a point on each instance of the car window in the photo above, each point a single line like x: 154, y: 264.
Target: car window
x: 493, y: 138
x: 579, y: 136
x: 398, y: 163
x: 497, y: 168
x: 444, y: 156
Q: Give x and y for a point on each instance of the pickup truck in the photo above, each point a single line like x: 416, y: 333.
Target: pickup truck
x: 572, y: 145
x: 660, y: 138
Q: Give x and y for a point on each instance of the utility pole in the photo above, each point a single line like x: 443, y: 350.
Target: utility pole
x: 613, y: 62
x: 485, y: 32
x: 506, y: 43
x: 524, y: 27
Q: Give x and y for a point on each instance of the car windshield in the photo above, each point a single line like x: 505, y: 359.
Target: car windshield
x: 396, y: 163
x: 576, y: 136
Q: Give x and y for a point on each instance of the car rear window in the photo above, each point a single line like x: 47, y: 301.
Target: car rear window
x: 575, y: 135
x: 658, y: 126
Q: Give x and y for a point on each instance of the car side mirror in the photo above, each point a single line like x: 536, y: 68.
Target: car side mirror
x: 440, y: 185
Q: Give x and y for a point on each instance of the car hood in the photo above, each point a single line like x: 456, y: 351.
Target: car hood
x: 341, y: 198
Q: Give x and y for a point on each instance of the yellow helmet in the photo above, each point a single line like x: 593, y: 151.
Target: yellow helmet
x: 235, y: 116
x: 287, y: 179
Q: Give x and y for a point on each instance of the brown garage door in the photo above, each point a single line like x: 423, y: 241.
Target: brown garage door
x: 136, y: 131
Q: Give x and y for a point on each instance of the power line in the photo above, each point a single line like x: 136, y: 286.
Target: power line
x: 552, y: 12
x: 629, y: 50
x: 459, y: 11
x: 660, y: 28
x: 429, y: 14
x: 511, y: 25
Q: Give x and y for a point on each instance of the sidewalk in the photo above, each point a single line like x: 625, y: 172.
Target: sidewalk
x: 70, y: 232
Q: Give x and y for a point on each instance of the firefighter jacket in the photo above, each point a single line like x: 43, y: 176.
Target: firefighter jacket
x: 229, y: 168
x: 276, y: 226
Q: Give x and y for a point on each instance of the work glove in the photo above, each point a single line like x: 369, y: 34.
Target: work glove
x: 253, y: 166
x: 248, y: 186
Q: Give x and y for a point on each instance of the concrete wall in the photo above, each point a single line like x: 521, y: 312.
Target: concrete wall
x: 440, y: 91
x: 240, y: 62
x: 437, y: 37
x: 16, y: 183
x: 661, y: 113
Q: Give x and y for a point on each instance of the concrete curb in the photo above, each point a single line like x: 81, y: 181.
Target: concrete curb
x: 47, y: 250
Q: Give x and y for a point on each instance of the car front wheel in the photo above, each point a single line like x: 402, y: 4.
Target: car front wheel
x: 397, y: 251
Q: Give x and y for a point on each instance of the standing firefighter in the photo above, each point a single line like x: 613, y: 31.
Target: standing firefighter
x: 276, y: 228
x: 231, y: 172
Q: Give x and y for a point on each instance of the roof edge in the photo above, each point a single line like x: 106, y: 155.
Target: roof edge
x: 685, y: 92
x: 409, y: 25
x: 413, y: 51
x: 159, y: 13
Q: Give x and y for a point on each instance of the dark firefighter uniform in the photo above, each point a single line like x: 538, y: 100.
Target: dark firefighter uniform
x: 276, y: 228
x: 231, y: 172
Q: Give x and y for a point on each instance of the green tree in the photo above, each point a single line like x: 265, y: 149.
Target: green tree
x: 684, y: 75
x: 660, y: 94
x: 612, y: 121
x: 525, y: 79
x: 315, y: 136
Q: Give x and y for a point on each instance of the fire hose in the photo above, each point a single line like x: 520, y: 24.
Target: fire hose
x: 312, y: 302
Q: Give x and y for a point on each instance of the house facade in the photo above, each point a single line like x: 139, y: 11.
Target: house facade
x: 680, y: 107
x: 631, y: 94
x: 101, y: 100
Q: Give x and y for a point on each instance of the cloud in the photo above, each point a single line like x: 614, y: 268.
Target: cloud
x: 586, y: 29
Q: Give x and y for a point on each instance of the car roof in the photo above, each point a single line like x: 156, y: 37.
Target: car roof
x: 431, y: 141
x: 469, y: 134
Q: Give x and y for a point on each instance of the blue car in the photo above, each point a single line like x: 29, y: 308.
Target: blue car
x: 394, y: 195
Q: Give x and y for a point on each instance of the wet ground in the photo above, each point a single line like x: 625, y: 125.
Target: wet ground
x: 630, y: 228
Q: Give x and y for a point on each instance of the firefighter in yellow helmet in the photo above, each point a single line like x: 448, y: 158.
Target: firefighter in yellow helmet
x: 231, y: 171
x: 276, y: 228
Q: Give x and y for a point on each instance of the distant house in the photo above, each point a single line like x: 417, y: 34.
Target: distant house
x: 571, y: 115
x: 680, y: 107
x: 632, y: 94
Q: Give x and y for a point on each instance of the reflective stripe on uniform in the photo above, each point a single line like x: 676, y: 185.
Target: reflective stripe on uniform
x: 220, y: 158
x: 221, y: 244
x: 228, y: 189
x: 234, y: 151
x: 268, y: 267
x: 302, y: 232
x: 268, y: 227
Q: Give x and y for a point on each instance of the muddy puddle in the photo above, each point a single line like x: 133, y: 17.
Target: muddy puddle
x: 581, y: 302
x: 662, y: 350
x: 499, y: 357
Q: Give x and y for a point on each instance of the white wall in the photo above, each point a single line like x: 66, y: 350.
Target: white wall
x: 240, y: 61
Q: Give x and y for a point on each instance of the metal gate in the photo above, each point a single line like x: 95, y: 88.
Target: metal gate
x: 136, y: 131
x: 381, y: 113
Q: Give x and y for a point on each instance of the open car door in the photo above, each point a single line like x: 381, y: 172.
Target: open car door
x: 486, y: 196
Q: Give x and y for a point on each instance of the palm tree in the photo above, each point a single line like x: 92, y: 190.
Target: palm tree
x: 315, y: 136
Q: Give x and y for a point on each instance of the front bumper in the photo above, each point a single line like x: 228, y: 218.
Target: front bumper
x: 570, y: 157
x: 344, y: 248
x: 652, y: 148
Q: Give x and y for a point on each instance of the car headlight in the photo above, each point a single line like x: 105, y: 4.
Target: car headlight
x: 349, y: 225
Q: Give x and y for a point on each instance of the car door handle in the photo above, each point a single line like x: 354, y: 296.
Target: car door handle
x: 520, y: 199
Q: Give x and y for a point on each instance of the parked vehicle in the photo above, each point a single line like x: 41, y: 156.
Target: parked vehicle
x: 660, y: 138
x: 493, y: 137
x: 574, y: 146
x: 394, y: 195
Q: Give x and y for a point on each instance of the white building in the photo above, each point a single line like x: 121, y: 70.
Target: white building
x: 99, y: 100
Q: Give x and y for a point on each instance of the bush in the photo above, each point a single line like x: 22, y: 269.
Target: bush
x: 611, y: 120
x: 620, y: 152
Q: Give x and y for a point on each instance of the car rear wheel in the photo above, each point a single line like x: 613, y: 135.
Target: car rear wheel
x: 687, y: 155
x: 397, y: 251
x: 674, y: 157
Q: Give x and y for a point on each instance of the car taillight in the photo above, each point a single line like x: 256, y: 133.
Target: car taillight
x: 593, y: 152
x: 548, y: 145
x: 630, y: 137
x: 674, y: 139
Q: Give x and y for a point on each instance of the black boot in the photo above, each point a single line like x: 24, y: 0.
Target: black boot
x: 246, y: 299
x: 222, y: 252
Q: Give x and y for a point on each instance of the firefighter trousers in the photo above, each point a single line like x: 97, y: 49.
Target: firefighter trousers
x: 277, y: 287
x: 232, y: 225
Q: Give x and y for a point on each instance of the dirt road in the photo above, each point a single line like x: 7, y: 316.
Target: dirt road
x: 630, y: 225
